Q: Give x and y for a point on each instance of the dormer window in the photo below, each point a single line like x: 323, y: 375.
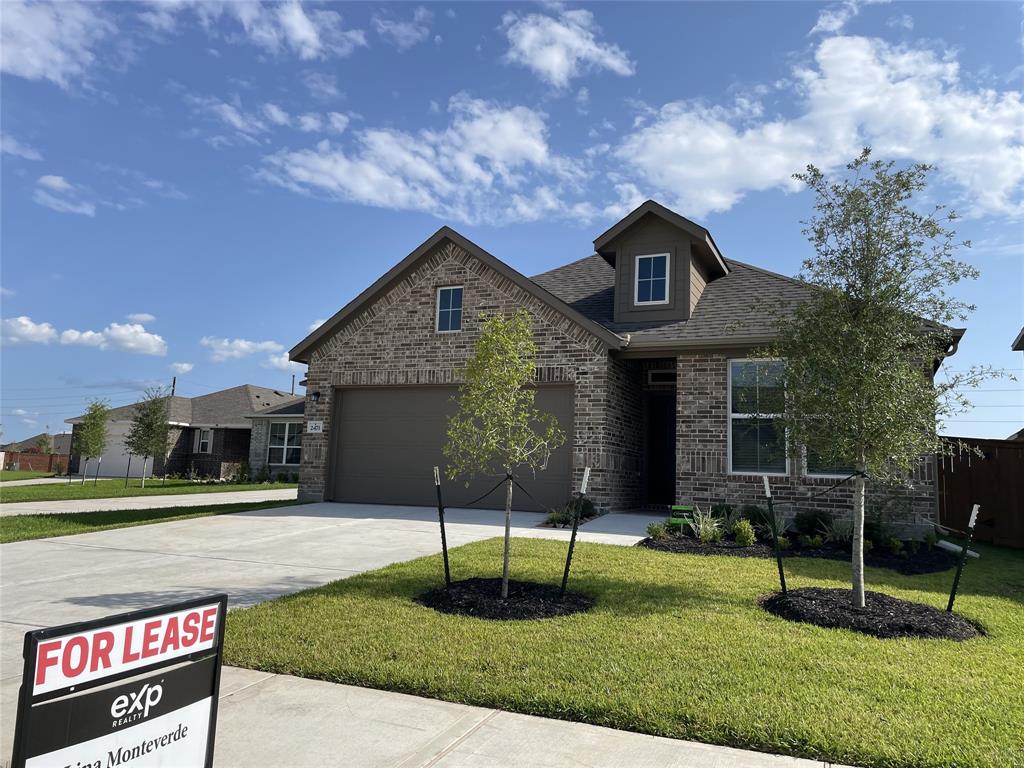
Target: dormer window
x: 449, y: 309
x: 651, y: 279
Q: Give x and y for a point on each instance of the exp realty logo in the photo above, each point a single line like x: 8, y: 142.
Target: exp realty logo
x: 132, y: 707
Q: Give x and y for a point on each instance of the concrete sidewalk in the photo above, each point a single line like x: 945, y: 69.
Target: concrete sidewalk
x: 32, y: 481
x: 145, y: 502
x: 267, y: 719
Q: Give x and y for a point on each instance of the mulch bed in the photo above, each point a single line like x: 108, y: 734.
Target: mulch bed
x: 481, y: 598
x: 932, y: 560
x: 883, y: 616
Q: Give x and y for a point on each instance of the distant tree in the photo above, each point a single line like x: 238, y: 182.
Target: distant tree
x: 147, y: 435
x: 859, y: 354
x: 92, y: 432
x: 497, y: 429
x: 44, y: 444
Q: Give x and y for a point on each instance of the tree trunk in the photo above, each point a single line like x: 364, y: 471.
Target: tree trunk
x: 85, y: 470
x: 858, y: 540
x: 508, y: 538
x: 144, y: 459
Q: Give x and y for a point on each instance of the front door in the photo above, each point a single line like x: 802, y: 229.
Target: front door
x: 661, y: 447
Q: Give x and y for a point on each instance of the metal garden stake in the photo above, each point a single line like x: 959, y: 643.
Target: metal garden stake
x: 444, y: 540
x: 963, y: 557
x: 773, y: 525
x: 575, y: 526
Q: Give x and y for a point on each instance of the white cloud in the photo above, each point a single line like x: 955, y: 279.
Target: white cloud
x: 321, y: 85
x: 11, y: 146
x: 58, y: 194
x: 906, y: 103
x: 905, y: 21
x: 22, y: 330
x: 833, y: 18
x: 466, y: 172
x: 6, y: 292
x: 222, y: 349
x: 140, y: 317
x: 282, y: 363
x: 277, y: 27
x: 22, y: 412
x: 276, y: 115
x: 558, y: 49
x: 316, y: 324
x: 127, y: 337
x: 310, y: 122
x: 52, y: 41
x: 404, y: 34
x: 337, y: 122
x: 180, y: 368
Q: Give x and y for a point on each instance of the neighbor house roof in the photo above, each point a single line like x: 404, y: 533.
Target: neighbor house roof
x: 227, y: 407
x: 1018, y: 343
x: 296, y: 406
x: 58, y: 443
x: 731, y: 309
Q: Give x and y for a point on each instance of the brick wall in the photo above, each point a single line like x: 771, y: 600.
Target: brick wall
x: 393, y: 341
x: 702, y: 461
x: 259, y: 442
x: 230, y: 448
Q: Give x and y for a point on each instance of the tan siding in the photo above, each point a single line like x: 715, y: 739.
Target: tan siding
x: 697, y: 283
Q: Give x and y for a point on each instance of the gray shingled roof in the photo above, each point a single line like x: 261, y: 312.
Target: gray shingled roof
x: 293, y: 407
x: 735, y: 307
x: 59, y: 443
x: 228, y: 406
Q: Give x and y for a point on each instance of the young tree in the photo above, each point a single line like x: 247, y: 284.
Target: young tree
x: 92, y: 432
x: 497, y: 429
x: 147, y: 435
x: 861, y: 352
x: 44, y: 444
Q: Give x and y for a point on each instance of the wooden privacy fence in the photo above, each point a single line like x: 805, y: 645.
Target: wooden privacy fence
x: 36, y: 462
x: 994, y: 479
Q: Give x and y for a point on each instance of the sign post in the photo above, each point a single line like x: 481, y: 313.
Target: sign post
x: 963, y: 557
x: 578, y: 507
x: 138, y: 689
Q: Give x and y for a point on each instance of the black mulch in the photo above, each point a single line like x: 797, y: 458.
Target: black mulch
x: 926, y: 560
x: 481, y: 598
x: 883, y: 616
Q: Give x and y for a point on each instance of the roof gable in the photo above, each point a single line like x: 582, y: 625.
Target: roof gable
x: 301, y: 352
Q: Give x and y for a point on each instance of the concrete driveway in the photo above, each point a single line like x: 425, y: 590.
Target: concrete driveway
x: 146, y: 502
x: 255, y: 556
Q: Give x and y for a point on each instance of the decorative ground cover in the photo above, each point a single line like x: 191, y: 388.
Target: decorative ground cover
x: 676, y: 645
x: 925, y: 560
x: 882, y: 615
x: 481, y: 598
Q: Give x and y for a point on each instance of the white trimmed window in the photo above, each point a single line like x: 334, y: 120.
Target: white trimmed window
x: 204, y: 441
x: 756, y: 445
x: 449, y: 309
x: 285, y: 443
x: 651, y: 279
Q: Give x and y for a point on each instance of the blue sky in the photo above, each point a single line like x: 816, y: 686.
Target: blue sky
x: 188, y: 186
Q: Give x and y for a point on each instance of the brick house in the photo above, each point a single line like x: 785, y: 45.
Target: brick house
x: 642, y: 349
x: 276, y: 438
x: 209, y: 434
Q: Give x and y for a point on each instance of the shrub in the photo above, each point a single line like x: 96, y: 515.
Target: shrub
x: 915, y: 546
x: 242, y: 476
x: 784, y: 542
x: 930, y: 540
x: 810, y: 522
x: 868, y: 545
x: 804, y: 540
x: 743, y: 532
x: 293, y: 477
x: 895, y: 545
x: 263, y: 476
x: 839, y: 531
x: 705, y: 526
x: 657, y: 531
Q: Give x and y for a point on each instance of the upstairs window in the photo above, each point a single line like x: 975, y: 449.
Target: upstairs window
x: 651, y: 279
x: 449, y: 309
x: 285, y: 443
x: 756, y: 444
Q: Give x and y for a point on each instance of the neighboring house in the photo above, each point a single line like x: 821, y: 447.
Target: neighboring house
x: 1018, y: 346
x: 59, y: 444
x: 209, y: 434
x: 640, y: 348
x: 276, y: 442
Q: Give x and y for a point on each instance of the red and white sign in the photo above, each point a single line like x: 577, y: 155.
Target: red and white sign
x: 77, y: 658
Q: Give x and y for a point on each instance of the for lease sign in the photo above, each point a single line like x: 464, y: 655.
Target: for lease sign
x: 85, y: 655
x: 136, y: 690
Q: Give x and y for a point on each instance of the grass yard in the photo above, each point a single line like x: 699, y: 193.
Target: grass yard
x: 24, y: 527
x: 21, y: 474
x: 676, y: 646
x: 114, y: 489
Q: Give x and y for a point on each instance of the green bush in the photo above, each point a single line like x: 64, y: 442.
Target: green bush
x: 657, y: 531
x: 784, y: 542
x: 743, y: 532
x: 896, y: 545
x: 915, y: 546
x: 839, y: 531
x: 263, y: 476
x: 931, y: 539
x: 705, y: 526
x: 811, y: 521
x: 868, y: 545
x: 242, y: 476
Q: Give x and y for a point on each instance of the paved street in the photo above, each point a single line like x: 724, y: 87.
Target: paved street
x: 259, y: 555
x: 145, y: 502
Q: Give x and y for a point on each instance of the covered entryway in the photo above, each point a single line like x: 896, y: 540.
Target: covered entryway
x: 387, y: 440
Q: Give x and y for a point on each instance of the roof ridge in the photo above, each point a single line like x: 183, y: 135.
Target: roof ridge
x: 770, y: 273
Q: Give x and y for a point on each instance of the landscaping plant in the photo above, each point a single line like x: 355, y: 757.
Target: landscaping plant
x: 147, y: 435
x: 497, y: 429
x: 862, y: 395
x: 91, y: 434
x: 743, y: 533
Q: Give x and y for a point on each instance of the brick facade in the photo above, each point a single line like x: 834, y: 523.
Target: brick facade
x: 702, y: 474
x: 259, y: 443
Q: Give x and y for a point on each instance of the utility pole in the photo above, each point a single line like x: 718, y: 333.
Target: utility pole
x: 174, y: 384
x: 293, y: 385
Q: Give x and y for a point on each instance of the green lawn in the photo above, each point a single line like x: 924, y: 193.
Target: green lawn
x: 22, y: 527
x: 676, y: 646
x: 21, y: 474
x: 112, y: 489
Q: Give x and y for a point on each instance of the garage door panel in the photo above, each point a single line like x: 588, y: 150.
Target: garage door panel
x: 389, y: 440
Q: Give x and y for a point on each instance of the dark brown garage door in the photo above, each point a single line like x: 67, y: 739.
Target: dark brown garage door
x: 388, y: 439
